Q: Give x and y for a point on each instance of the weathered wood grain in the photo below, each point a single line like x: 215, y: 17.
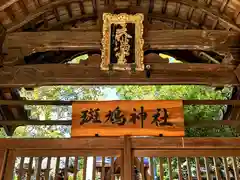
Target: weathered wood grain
x: 185, y: 142
x: 54, y: 153
x: 147, y: 128
x: 191, y: 124
x: 128, y: 164
x: 74, y: 143
x: 3, y: 156
x: 150, y: 143
x: 32, y: 42
x: 55, y: 74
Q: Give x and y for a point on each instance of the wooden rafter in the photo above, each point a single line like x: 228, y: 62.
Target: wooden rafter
x: 173, y: 19
x: 207, y: 9
x: 39, y: 12
x: 82, y: 18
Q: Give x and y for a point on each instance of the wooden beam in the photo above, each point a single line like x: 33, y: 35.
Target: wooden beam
x: 80, y: 74
x: 32, y: 42
x: 184, y: 142
x: 209, y: 123
x: 74, y: 143
x: 118, y: 143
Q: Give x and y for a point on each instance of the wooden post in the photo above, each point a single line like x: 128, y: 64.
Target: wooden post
x: 3, y: 154
x: 10, y: 162
x: 127, y: 166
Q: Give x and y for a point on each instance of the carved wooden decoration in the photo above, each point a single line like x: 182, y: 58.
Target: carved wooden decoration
x: 122, y: 42
x: 136, y: 118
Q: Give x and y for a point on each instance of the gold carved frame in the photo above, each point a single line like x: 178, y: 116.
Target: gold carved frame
x: 108, y: 20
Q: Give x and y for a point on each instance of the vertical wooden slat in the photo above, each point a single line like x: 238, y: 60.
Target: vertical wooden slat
x: 20, y: 173
x: 75, y: 169
x: 45, y: 20
x: 127, y: 158
x: 81, y: 6
x: 57, y: 168
x: 3, y: 160
x: 69, y: 10
x: 29, y: 174
x: 225, y: 168
x: 39, y: 167
x: 207, y: 168
x: 48, y: 168
x: 55, y: 11
x: 66, y: 169
x: 122, y: 165
x: 189, y: 169
x: 179, y: 168
x: 151, y: 168
x: 235, y: 168
x: 198, y: 168
x: 169, y: 160
x: 23, y: 7
x: 216, y: 169
x: 84, y: 167
x: 137, y: 163
x: 161, y: 170
x: 112, y: 168
x: 94, y: 168
x: 8, y: 173
x: 142, y: 167
x: 103, y: 168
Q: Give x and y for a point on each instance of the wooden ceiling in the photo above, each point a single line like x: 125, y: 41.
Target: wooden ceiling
x: 21, y: 15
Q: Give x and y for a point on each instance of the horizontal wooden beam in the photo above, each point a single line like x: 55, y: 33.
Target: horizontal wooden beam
x: 80, y: 74
x: 210, y: 123
x: 32, y: 42
x: 185, y: 142
x: 118, y: 143
x: 189, y: 124
x: 69, y: 103
x: 74, y: 143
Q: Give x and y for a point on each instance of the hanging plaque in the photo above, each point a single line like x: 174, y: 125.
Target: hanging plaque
x: 122, y: 42
x: 136, y: 118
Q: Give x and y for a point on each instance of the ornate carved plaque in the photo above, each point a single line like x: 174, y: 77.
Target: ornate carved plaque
x: 122, y: 42
x: 136, y: 118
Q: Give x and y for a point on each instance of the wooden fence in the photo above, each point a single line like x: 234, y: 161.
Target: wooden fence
x: 125, y: 158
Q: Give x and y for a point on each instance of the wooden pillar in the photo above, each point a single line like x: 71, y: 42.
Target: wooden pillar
x: 3, y: 154
x: 2, y: 37
x: 9, y: 165
x: 127, y: 153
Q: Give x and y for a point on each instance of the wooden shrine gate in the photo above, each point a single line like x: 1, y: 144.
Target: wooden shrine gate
x: 162, y: 157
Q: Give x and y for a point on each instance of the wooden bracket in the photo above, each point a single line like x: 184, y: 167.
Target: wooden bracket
x: 237, y: 73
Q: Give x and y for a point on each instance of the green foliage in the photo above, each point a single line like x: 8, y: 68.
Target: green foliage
x: 53, y: 112
x: 191, y: 112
